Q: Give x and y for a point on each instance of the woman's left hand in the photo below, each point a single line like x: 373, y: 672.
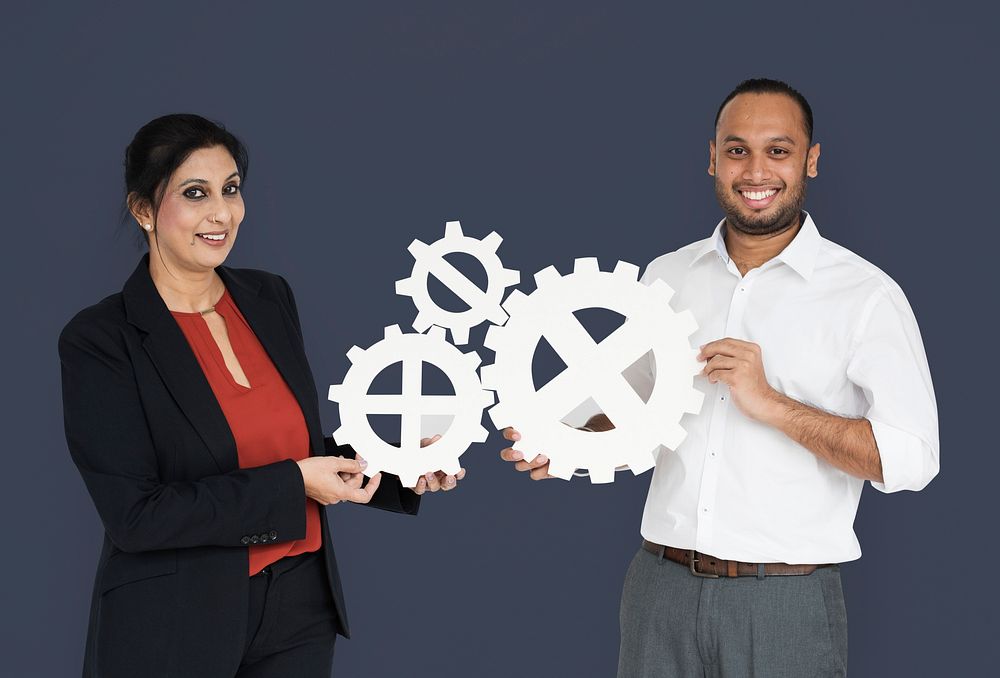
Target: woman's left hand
x: 437, y: 480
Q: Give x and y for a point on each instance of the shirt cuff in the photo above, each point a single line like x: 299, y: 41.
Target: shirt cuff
x: 907, y: 463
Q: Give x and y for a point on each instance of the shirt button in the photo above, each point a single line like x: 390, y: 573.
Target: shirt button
x: 705, y: 510
x: 743, y: 289
x: 722, y: 398
x: 712, y: 453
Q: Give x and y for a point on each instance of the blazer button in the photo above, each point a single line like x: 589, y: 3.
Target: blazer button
x: 264, y: 538
x: 274, y: 535
x: 254, y: 539
x: 245, y: 540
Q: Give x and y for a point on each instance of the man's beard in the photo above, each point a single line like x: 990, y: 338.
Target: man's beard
x: 776, y: 221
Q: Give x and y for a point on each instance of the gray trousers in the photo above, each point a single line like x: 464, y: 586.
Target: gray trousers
x: 677, y: 625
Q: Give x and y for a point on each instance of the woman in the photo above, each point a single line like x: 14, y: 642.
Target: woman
x: 192, y: 415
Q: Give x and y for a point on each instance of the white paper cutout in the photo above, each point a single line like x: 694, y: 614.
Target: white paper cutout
x: 483, y: 304
x: 410, y: 461
x: 594, y: 370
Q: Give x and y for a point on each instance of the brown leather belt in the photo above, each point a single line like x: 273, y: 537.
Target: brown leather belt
x: 704, y: 565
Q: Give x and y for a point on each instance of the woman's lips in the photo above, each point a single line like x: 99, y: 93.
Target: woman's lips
x: 213, y: 239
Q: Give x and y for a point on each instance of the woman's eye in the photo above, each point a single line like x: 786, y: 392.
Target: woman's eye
x: 192, y: 193
x: 235, y: 189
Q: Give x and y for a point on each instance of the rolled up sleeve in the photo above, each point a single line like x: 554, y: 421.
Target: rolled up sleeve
x: 888, y: 363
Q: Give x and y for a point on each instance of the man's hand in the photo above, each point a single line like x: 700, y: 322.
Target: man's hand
x: 437, y: 480
x: 537, y: 468
x: 740, y: 365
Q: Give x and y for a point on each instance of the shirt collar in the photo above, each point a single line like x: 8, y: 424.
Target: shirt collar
x: 800, y: 254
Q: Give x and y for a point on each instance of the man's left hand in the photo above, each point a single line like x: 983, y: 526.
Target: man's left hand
x: 740, y: 365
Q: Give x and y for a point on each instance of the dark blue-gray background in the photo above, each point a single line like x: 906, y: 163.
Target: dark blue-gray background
x: 573, y: 129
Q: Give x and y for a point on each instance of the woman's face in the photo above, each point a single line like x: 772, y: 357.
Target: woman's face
x: 200, y: 212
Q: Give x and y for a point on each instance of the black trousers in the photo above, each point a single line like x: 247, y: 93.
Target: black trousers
x: 291, y: 627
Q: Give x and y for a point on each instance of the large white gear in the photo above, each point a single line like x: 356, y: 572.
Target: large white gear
x: 483, y: 304
x: 594, y: 369
x: 409, y: 461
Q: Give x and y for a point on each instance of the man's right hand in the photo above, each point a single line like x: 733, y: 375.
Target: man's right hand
x: 537, y: 468
x: 329, y: 480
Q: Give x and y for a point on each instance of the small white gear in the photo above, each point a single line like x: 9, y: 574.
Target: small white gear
x: 594, y: 370
x: 409, y: 461
x: 483, y: 304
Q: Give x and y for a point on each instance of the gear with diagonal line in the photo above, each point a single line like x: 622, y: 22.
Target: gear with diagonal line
x: 483, y: 304
x: 409, y: 461
x: 594, y: 370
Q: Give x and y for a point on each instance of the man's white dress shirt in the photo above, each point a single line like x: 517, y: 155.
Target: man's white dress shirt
x: 836, y: 333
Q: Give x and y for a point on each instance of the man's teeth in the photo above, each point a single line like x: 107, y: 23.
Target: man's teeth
x: 208, y: 236
x: 758, y: 195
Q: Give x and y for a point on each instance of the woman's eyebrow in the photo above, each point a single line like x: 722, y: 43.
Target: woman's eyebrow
x: 204, y: 181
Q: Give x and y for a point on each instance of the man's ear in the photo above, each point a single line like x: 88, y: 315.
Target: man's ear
x: 711, y: 157
x: 812, y: 161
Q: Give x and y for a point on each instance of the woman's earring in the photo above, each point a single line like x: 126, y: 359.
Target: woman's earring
x: 148, y: 227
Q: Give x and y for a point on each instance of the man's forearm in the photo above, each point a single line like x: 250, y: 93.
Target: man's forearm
x: 849, y: 444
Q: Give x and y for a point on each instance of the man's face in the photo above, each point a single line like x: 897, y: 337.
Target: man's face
x: 760, y: 159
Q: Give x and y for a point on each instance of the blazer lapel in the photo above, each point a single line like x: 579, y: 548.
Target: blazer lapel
x: 170, y: 353
x: 263, y: 312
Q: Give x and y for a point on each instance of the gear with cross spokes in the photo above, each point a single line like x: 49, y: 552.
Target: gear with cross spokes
x: 483, y: 304
x: 594, y: 369
x: 409, y: 461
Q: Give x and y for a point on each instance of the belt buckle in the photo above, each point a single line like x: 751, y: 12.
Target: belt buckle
x: 692, y: 560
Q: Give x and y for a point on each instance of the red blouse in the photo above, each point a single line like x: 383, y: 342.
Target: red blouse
x: 265, y: 418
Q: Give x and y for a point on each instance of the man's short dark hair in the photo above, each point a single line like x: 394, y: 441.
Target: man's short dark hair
x: 767, y: 86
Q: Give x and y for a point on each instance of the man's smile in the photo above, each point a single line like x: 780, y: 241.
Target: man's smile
x: 758, y: 197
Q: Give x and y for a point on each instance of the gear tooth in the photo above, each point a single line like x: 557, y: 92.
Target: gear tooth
x: 487, y: 398
x: 514, y: 301
x: 451, y: 466
x: 342, y: 435
x: 497, y: 316
x: 546, y: 276
x: 488, y: 376
x: 406, y: 287
x: 354, y: 355
x: 694, y: 401
x: 392, y: 331
x: 493, y: 337
x: 422, y: 322
x: 417, y: 247
x: 665, y: 291
x: 472, y: 360
x: 480, y: 435
x: 460, y: 335
x: 673, y: 436
x: 603, y: 474
x: 492, y: 241
x: 453, y: 229
x: 586, y: 265
x: 623, y: 268
x: 696, y: 366
x: 500, y: 416
x: 686, y: 322
x: 436, y: 333
x: 510, y: 277
x: 560, y: 468
x: 407, y: 479
x: 336, y: 393
x: 641, y: 461
x: 374, y: 468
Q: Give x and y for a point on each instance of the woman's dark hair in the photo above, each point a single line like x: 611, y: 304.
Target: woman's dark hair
x: 161, y: 146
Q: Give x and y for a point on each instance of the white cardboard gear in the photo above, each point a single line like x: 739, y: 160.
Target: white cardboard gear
x: 483, y: 304
x: 594, y: 370
x: 409, y: 461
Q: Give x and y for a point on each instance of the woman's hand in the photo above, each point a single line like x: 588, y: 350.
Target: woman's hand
x: 437, y: 480
x: 329, y: 480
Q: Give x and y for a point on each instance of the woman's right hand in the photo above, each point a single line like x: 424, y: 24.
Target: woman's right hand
x: 329, y: 480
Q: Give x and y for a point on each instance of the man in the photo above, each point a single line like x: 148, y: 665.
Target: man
x: 815, y: 381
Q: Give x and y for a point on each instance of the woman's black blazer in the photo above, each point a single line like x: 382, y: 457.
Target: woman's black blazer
x: 159, y: 460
